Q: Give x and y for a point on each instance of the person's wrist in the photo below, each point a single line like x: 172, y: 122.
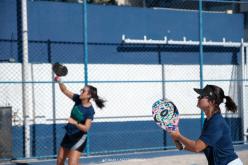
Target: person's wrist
x: 58, y: 79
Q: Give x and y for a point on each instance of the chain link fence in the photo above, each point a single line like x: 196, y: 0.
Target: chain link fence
x: 130, y: 76
x: 229, y: 6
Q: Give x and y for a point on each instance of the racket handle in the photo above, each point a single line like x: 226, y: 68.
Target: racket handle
x: 179, y: 145
x: 58, y: 79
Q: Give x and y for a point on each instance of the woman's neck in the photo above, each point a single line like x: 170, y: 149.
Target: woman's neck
x: 86, y: 103
x: 210, y: 112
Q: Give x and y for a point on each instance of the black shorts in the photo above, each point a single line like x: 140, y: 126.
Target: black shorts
x: 74, y: 142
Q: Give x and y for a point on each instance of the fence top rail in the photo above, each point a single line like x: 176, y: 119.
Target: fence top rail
x: 165, y: 41
x: 224, y: 43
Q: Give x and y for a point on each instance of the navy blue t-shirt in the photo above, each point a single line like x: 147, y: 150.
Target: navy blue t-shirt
x: 217, y: 135
x: 80, y: 114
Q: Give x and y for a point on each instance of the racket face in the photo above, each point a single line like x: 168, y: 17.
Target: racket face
x: 165, y: 114
x: 59, y: 69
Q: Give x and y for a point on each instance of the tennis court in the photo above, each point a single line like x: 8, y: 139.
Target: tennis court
x: 134, y: 52
x: 144, y: 158
x: 182, y: 159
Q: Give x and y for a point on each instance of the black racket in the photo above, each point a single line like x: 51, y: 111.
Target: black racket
x: 59, y: 69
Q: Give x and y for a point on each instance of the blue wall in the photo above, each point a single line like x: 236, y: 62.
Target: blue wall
x: 64, y: 22
x: 8, y: 26
x: 113, y: 136
x: 106, y: 24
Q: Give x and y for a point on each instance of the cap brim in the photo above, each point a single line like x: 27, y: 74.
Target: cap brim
x: 199, y: 91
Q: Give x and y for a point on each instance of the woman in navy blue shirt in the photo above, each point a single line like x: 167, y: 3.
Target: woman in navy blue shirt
x: 215, y: 139
x: 79, y: 123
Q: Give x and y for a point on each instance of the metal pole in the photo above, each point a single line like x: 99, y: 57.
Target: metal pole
x: 49, y: 53
x: 25, y: 77
x: 34, y: 115
x: 86, y: 63
x: 201, y: 52
x: 163, y: 89
x: 85, y: 43
x: 243, y: 91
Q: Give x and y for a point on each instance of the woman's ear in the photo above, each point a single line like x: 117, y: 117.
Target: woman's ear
x: 212, y: 102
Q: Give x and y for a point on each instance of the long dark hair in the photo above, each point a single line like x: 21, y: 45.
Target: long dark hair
x: 99, y: 101
x: 230, y: 104
x: 219, y: 98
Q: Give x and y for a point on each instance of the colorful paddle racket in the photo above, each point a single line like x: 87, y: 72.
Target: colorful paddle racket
x: 166, y: 116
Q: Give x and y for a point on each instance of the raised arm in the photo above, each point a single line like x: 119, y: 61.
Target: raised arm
x: 63, y: 88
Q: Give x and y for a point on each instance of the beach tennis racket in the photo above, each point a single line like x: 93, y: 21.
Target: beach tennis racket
x: 59, y: 69
x: 166, y: 116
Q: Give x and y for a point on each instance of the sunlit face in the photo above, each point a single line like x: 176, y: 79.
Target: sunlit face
x: 204, y: 103
x: 85, y: 93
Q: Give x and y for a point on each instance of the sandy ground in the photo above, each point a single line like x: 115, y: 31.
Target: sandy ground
x: 188, y: 159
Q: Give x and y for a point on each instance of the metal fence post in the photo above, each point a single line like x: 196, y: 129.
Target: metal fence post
x: 201, y: 52
x: 85, y: 30
x: 243, y: 90
x: 25, y: 77
x: 49, y: 54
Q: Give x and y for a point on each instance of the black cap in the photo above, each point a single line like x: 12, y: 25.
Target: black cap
x: 213, y: 92
x: 208, y: 90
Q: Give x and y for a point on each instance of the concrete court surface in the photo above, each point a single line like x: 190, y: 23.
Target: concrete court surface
x: 168, y: 157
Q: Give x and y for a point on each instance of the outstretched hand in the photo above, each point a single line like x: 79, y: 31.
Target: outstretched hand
x: 175, y: 134
x: 57, y: 79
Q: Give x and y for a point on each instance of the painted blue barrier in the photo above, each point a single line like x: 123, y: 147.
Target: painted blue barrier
x: 111, y: 137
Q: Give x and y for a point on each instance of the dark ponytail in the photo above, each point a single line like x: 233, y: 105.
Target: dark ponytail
x: 217, y: 95
x: 93, y: 92
x: 99, y: 102
x: 230, y: 104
